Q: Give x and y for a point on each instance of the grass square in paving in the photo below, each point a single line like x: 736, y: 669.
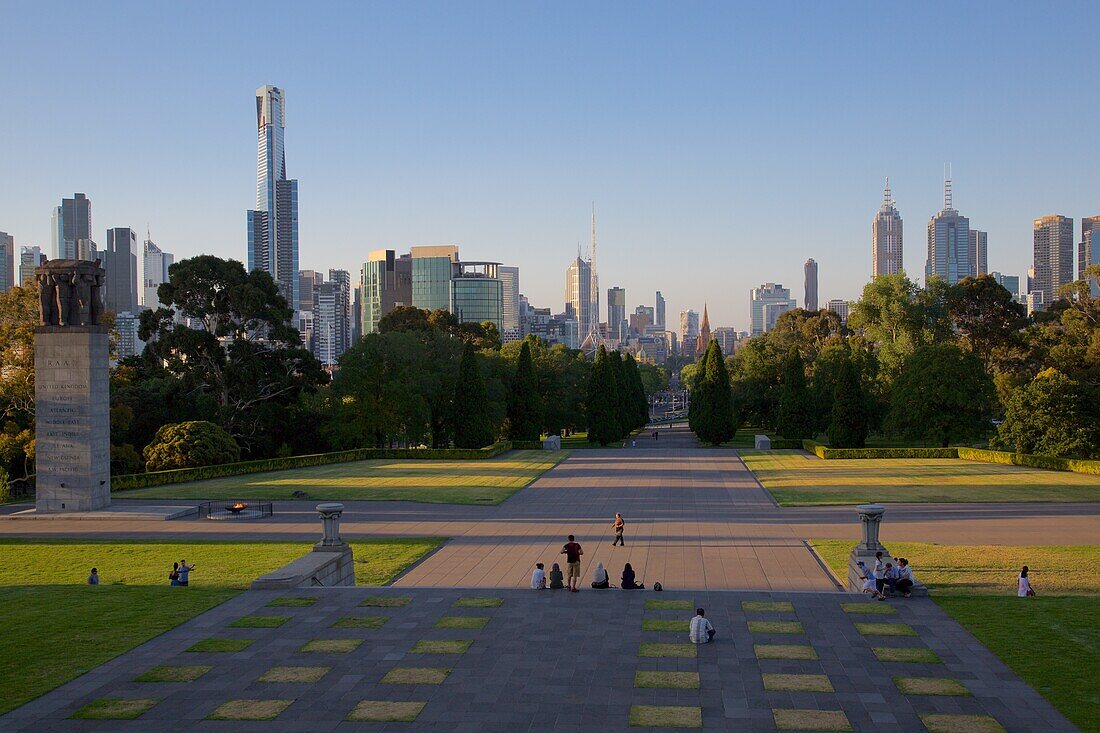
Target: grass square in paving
x: 174, y: 673
x: 930, y: 686
x: 462, y: 622
x: 386, y: 601
x: 220, y: 644
x: 669, y: 605
x: 672, y: 680
x: 784, y: 651
x: 260, y: 622
x: 918, y: 655
x: 291, y: 602
x: 416, y: 676
x: 360, y: 622
x: 656, y: 649
x: 294, y: 674
x: 250, y: 710
x: 776, y: 627
x: 771, y: 606
x: 113, y: 708
x: 331, y: 646
x: 665, y: 716
x: 478, y: 602
x: 946, y: 723
x: 798, y: 682
x: 441, y: 646
x: 386, y: 711
x: 868, y: 608
x: 874, y: 628
x: 662, y: 624
x: 818, y: 720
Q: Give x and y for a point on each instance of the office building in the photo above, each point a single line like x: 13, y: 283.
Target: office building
x: 308, y: 282
x: 1035, y: 302
x: 120, y: 262
x: 431, y: 275
x: 72, y: 222
x: 1091, y: 240
x: 727, y: 339
x: 948, y: 243
x: 155, y: 263
x: 578, y: 296
x: 29, y: 258
x: 810, y: 269
x: 509, y: 281
x: 341, y: 284
x: 659, y: 310
x: 126, y: 326
x: 1085, y: 249
x: 886, y: 238
x: 1053, y: 257
x: 273, y: 224
x: 640, y: 321
x: 356, y: 314
x: 689, y: 325
x: 7, y: 262
x: 840, y: 307
x: 979, y: 252
x: 385, y: 282
x: 476, y: 292
x: 766, y: 303
x: 616, y: 313
x: 331, y: 317
x: 1011, y: 283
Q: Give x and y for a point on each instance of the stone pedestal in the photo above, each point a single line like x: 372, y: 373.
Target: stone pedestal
x: 870, y: 517
x: 331, y: 563
x: 763, y: 442
x: 72, y: 418
x: 551, y: 442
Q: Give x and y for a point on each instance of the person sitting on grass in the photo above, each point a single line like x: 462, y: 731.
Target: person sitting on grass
x: 905, y: 581
x: 599, y: 577
x: 93, y: 577
x: 700, y: 631
x: 628, y: 579
x: 538, y: 577
x: 557, y: 580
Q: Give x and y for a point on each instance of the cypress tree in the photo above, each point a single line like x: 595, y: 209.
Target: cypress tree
x: 697, y: 395
x: 603, y: 419
x: 637, y: 392
x: 622, y: 393
x: 717, y: 421
x: 524, y: 410
x: 795, y: 418
x: 848, y: 428
x: 473, y: 427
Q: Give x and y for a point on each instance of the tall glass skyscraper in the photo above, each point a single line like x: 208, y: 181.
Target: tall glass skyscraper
x: 273, y: 224
x: 949, y: 244
x: 886, y: 238
x: 120, y: 261
x: 431, y: 275
x: 1053, y: 252
x: 72, y: 229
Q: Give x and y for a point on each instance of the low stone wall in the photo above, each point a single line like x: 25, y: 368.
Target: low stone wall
x: 319, y: 568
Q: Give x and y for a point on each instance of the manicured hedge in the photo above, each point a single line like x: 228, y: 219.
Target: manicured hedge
x: 786, y: 443
x: 527, y: 444
x: 178, y: 476
x: 1052, y: 463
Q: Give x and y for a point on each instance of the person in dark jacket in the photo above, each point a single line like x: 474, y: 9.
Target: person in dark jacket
x: 628, y: 579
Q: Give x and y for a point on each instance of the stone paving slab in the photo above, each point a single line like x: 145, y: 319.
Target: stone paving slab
x: 546, y: 661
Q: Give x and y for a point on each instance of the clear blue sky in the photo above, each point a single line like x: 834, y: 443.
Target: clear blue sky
x: 723, y: 143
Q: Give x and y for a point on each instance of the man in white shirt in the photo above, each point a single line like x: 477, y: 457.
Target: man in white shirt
x: 700, y: 632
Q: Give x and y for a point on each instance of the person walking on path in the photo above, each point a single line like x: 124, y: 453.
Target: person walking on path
x: 700, y: 631
x: 1023, y: 588
x: 572, y: 552
x: 93, y: 577
x: 618, y: 525
x: 185, y: 569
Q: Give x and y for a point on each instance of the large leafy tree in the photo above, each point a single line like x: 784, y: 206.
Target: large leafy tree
x: 755, y: 372
x: 226, y: 334
x: 524, y: 409
x: 942, y: 396
x: 988, y: 321
x: 796, y: 406
x: 890, y: 317
x: 848, y: 426
x: 190, y: 445
x: 18, y: 317
x: 603, y: 401
x: 715, y: 421
x: 1053, y: 415
x: 472, y: 424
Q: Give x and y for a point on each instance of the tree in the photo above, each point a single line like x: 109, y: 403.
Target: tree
x: 637, y: 392
x: 943, y: 396
x: 654, y: 378
x: 190, y: 445
x: 987, y: 319
x: 848, y: 427
x: 524, y: 418
x: 796, y: 410
x: 715, y: 420
x: 1053, y: 415
x: 623, y: 407
x: 890, y: 317
x: 603, y: 402
x: 473, y: 428
x: 18, y: 317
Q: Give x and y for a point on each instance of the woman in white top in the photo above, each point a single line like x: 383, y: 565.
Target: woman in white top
x: 538, y: 577
x: 599, y: 577
x: 1024, y: 588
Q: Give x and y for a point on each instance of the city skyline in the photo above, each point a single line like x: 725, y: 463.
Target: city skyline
x: 704, y: 180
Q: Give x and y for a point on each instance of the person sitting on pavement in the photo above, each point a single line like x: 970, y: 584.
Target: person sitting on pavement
x: 557, y: 580
x: 599, y: 577
x: 891, y: 577
x: 628, y: 579
x: 538, y: 577
x: 700, y: 631
x: 905, y: 577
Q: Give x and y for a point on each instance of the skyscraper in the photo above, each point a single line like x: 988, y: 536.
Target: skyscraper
x: 72, y: 222
x: 431, y: 275
x: 659, y: 310
x: 29, y: 258
x: 1091, y: 242
x: 840, y: 307
x: 948, y: 243
x: 509, y: 279
x: 155, y: 263
x: 979, y: 252
x: 476, y: 293
x: 1053, y: 256
x: 886, y: 238
x: 578, y: 295
x: 616, y: 313
x: 766, y: 303
x: 120, y: 262
x: 689, y: 328
x: 7, y: 262
x: 1085, y: 250
x: 273, y: 224
x: 341, y: 293
x: 308, y: 282
x: 385, y: 282
x: 810, y: 269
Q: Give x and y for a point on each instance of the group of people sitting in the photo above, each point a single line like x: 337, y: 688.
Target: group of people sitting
x: 885, y: 576
x: 600, y: 578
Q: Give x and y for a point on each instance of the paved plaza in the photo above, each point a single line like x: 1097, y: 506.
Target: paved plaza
x: 554, y: 661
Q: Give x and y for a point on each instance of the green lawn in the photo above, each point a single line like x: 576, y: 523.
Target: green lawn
x: 796, y: 479
x: 485, y: 482
x: 1049, y: 640
x: 57, y: 628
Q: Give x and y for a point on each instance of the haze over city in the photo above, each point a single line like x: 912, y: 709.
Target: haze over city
x: 722, y: 145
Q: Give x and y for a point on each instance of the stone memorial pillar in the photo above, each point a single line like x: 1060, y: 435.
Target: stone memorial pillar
x: 72, y: 393
x: 870, y: 517
x: 330, y: 528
